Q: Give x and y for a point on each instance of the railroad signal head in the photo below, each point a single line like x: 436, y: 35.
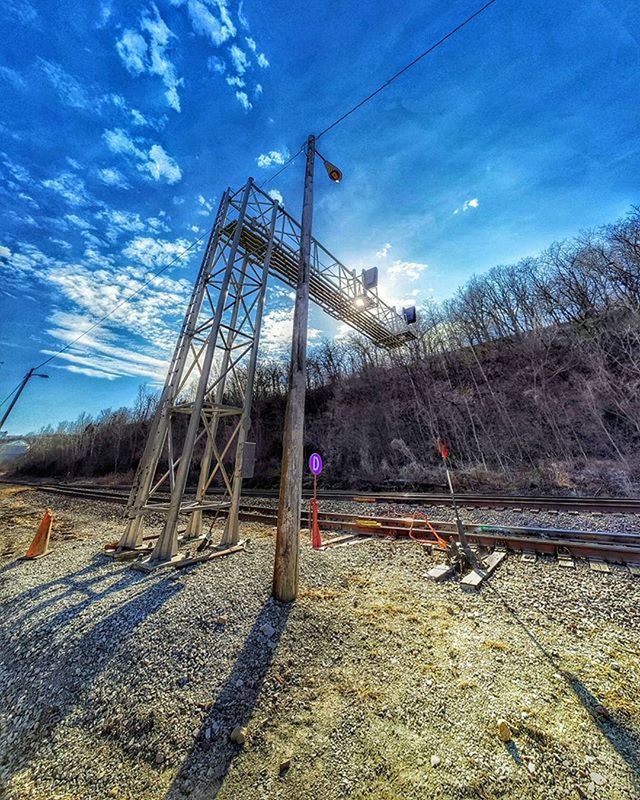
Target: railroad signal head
x: 332, y: 171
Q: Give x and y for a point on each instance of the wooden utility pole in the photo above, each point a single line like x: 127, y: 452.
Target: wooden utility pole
x: 285, y: 573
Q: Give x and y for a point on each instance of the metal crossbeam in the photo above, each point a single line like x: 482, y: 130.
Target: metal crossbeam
x: 204, y: 413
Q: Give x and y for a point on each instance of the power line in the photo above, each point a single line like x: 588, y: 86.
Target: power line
x: 10, y: 395
x: 433, y: 47
x: 282, y: 168
x: 287, y: 163
x: 122, y: 302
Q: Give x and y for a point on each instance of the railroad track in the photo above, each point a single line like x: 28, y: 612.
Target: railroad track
x: 598, y: 505
x: 600, y: 547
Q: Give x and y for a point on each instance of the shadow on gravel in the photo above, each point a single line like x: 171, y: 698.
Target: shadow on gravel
x: 204, y: 769
x: 623, y: 739
x: 48, y: 668
x: 89, y: 583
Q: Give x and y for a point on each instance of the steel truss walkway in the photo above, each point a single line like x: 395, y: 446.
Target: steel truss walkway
x: 209, y: 386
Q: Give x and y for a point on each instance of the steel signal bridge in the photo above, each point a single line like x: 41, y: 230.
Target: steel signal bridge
x: 209, y: 386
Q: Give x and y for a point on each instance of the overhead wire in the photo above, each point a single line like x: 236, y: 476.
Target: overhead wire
x: 408, y: 66
x: 285, y: 166
x: 282, y: 168
x: 124, y: 300
x: 384, y: 85
x: 11, y: 393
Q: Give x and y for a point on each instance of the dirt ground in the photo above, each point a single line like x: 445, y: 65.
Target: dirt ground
x: 375, y: 684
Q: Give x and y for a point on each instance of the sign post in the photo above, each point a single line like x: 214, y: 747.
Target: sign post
x: 315, y: 467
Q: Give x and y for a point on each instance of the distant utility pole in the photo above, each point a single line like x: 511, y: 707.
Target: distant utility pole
x: 31, y: 374
x: 285, y: 572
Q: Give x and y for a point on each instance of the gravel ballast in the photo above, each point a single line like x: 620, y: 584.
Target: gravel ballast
x: 376, y: 683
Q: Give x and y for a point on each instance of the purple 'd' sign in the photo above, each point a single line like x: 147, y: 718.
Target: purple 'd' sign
x: 315, y: 463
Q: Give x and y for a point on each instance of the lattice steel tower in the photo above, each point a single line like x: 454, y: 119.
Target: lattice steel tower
x: 211, y: 375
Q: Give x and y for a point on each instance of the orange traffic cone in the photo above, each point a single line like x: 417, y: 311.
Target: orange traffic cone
x: 40, y: 544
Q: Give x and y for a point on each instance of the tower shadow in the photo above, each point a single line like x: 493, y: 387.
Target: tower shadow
x: 48, y: 672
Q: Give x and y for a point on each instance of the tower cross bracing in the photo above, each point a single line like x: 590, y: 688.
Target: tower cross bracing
x: 203, y: 418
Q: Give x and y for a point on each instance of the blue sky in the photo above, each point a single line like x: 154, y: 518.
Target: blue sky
x: 123, y: 122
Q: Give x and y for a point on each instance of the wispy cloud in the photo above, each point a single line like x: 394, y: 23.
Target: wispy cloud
x: 146, y: 51
x: 272, y: 158
x: 155, y: 161
x: 210, y: 18
x: 70, y: 187
x: 12, y: 77
x: 20, y: 11
x: 473, y: 203
x: 277, y: 328
x: 243, y: 99
x: 409, y: 270
x: 384, y: 250
x: 150, y: 251
x: 113, y: 177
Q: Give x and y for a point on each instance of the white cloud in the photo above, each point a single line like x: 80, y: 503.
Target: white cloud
x: 217, y: 28
x: 119, y: 141
x: 157, y: 162
x: 409, y: 270
x: 473, y: 203
x: 243, y: 99
x: 13, y: 78
x: 383, y: 251
x: 277, y: 328
x: 239, y: 59
x: 161, y: 165
x: 276, y: 195
x: 70, y: 187
x: 76, y: 221
x: 274, y: 157
x: 22, y: 11
x: 262, y: 61
x: 138, y: 336
x: 113, y: 177
x: 132, y: 49
x: 5, y: 252
x: 207, y: 205
x: 235, y: 80
x: 119, y: 222
x: 69, y: 90
x: 149, y: 252
x: 98, y: 354
x: 216, y: 64
x: 146, y: 52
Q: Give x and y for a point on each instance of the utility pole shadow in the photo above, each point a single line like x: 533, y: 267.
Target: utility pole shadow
x: 203, y: 772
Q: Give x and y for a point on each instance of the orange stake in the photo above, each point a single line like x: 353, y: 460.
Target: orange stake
x: 316, y: 539
x: 40, y: 544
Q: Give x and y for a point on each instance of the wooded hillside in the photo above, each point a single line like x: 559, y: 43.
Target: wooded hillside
x: 531, y: 372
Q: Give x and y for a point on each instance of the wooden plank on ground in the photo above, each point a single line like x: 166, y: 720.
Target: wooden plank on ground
x: 474, y: 579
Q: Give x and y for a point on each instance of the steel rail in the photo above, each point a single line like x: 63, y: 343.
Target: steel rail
x: 617, y: 547
x: 619, y: 505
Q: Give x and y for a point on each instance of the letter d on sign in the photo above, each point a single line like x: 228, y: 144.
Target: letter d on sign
x: 315, y: 463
